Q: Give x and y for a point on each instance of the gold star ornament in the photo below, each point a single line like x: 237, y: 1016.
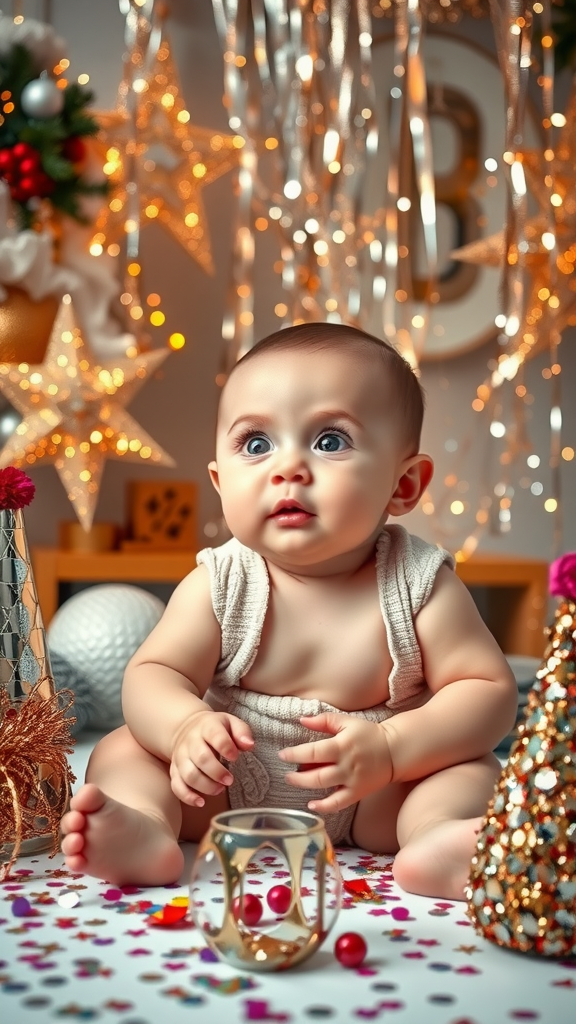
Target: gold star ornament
x: 157, y: 163
x: 74, y: 413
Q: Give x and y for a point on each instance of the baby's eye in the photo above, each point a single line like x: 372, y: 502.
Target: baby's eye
x: 257, y: 445
x: 332, y: 443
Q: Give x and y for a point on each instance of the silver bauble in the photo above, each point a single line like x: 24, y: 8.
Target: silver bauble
x: 42, y: 99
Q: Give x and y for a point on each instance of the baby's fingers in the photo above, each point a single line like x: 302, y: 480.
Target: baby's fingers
x: 183, y: 792
x: 336, y: 801
x: 318, y: 753
x: 322, y: 777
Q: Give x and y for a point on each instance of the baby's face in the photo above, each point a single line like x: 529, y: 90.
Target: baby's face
x: 308, y: 454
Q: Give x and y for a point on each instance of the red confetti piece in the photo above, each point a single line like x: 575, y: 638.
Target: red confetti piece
x: 168, y: 916
x: 357, y: 886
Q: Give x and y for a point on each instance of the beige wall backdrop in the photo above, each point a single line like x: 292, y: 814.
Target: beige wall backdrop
x: 178, y: 406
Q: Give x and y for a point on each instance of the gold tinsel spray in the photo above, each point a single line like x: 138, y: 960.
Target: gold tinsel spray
x: 522, y: 887
x: 35, y: 777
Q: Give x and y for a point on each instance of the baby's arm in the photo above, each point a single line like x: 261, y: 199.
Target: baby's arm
x: 162, y: 693
x: 474, y: 694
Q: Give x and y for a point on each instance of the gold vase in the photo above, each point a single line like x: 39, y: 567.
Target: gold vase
x: 25, y: 326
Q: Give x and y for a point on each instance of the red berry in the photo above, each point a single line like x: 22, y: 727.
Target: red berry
x: 350, y: 949
x: 74, y: 149
x: 29, y: 165
x: 45, y: 185
x: 28, y: 186
x: 279, y: 898
x: 23, y: 149
x: 248, y: 910
x: 6, y: 161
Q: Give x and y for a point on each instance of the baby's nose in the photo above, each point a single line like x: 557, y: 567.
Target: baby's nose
x: 292, y: 466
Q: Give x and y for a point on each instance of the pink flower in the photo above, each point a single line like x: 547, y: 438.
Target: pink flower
x: 16, y: 489
x: 562, y: 577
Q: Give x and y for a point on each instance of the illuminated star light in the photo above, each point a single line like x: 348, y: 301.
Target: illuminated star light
x: 159, y: 172
x: 74, y: 415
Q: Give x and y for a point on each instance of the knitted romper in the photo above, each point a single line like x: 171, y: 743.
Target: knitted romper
x: 406, y: 568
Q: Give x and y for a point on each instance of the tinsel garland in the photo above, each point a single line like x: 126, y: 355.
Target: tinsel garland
x: 34, y: 772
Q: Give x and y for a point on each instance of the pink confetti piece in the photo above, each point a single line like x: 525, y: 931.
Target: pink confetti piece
x: 258, y: 1009
x: 113, y: 895
x: 401, y: 914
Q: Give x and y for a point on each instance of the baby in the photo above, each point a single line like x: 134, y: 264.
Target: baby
x: 319, y: 659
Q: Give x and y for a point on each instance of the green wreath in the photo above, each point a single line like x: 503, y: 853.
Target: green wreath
x: 42, y: 157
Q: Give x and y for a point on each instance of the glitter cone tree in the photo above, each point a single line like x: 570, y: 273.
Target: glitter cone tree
x: 522, y: 887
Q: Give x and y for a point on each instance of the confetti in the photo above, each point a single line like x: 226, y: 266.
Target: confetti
x: 68, y: 900
x: 168, y: 916
x: 21, y: 907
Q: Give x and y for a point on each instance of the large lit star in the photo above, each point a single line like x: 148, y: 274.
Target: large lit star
x: 550, y: 300
x: 158, y: 163
x: 74, y: 415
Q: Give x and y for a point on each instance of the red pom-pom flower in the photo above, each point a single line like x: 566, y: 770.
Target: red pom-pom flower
x: 16, y: 489
x: 562, y: 577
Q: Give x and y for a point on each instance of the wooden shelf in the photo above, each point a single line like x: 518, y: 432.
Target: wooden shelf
x: 517, y: 598
x: 52, y: 567
x: 517, y: 588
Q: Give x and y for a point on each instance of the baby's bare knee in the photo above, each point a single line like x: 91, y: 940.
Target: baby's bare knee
x: 116, y: 746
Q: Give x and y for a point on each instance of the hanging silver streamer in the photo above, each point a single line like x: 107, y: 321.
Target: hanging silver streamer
x: 298, y: 87
x: 410, y: 153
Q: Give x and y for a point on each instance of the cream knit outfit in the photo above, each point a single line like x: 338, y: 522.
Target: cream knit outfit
x: 406, y: 568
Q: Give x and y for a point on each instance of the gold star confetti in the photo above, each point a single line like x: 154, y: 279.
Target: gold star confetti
x: 157, y: 163
x: 74, y: 415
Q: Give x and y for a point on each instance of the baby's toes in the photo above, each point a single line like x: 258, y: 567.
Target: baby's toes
x: 73, y: 821
x: 73, y: 843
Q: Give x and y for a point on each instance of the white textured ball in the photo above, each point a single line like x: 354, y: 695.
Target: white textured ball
x: 42, y: 99
x: 97, y: 631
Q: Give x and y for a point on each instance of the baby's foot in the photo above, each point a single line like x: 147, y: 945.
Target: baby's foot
x: 120, y: 844
x: 437, y: 861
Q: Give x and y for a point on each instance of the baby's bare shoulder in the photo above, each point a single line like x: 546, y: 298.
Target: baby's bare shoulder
x: 454, y: 640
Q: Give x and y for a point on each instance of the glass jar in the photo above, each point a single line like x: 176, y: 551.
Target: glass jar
x: 265, y: 887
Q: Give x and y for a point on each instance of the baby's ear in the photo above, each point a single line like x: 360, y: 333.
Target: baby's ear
x: 416, y: 474
x: 213, y: 474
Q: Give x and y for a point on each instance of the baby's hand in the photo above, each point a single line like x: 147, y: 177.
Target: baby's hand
x: 195, y: 769
x: 355, y: 759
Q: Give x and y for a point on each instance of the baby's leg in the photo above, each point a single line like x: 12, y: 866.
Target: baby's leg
x: 124, y: 824
x: 438, y: 826
x: 432, y: 824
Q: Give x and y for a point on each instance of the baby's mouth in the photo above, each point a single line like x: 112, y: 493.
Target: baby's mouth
x: 290, y: 512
